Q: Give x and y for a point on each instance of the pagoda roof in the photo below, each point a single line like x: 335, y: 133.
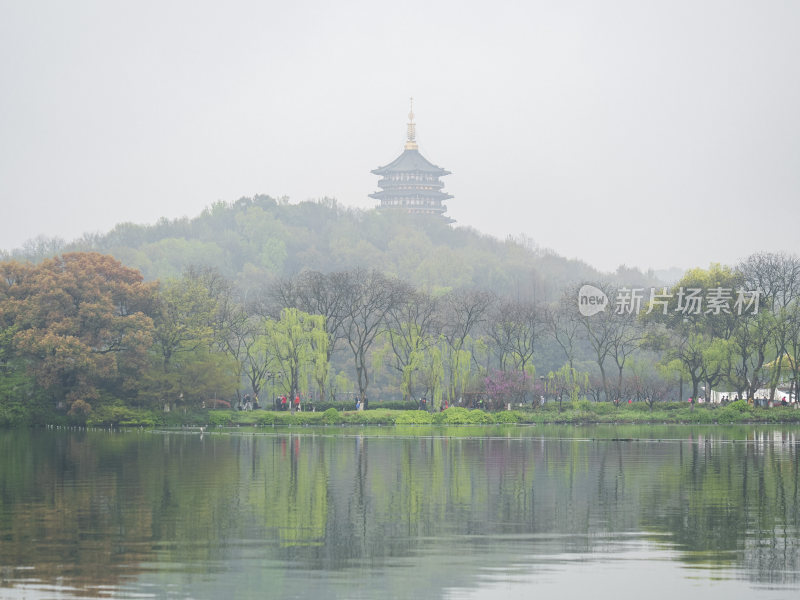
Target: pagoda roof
x: 430, y: 194
x: 410, y: 160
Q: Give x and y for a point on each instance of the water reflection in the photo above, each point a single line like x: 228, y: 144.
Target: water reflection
x: 450, y: 515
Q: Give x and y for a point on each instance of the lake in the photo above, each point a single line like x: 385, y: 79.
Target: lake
x: 401, y: 512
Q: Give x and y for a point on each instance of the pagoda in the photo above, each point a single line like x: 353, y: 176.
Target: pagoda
x: 410, y: 183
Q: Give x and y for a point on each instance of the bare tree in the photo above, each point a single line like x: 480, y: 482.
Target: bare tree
x: 463, y: 312
x: 275, y: 296
x: 514, y: 327
x: 626, y: 336
x: 600, y: 332
x: 244, y: 341
x: 326, y: 295
x: 563, y: 324
x: 370, y: 296
x: 646, y: 382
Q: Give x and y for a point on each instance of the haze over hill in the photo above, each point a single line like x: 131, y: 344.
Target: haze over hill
x: 255, y: 240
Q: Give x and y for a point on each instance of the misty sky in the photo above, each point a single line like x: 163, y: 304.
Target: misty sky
x: 647, y: 133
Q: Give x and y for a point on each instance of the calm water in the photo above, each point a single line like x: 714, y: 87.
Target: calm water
x: 383, y: 513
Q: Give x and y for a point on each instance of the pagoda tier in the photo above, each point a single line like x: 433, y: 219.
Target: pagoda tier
x: 410, y: 183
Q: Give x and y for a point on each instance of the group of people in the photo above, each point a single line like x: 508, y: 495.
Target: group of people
x: 762, y: 401
x: 282, y: 403
x: 423, y: 404
x: 286, y: 404
x: 248, y: 403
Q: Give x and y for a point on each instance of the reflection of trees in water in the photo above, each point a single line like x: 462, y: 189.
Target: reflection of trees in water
x: 91, y: 507
x: 733, y: 504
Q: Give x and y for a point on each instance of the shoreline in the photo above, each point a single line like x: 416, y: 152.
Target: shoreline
x: 581, y: 413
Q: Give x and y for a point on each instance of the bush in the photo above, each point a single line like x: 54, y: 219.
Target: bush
x: 298, y: 418
x: 462, y: 416
x: 370, y: 417
x: 347, y: 405
x: 331, y: 417
x: 740, y: 406
x: 221, y: 418
x: 672, y: 405
x: 640, y: 406
x: 119, y: 415
x: 414, y: 417
x: 583, y: 405
x: 783, y: 414
x: 265, y: 417
x: 509, y: 416
x: 394, y: 405
x: 340, y: 405
x: 12, y: 415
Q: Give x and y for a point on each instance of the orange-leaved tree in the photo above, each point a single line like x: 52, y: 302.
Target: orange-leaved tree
x: 82, y: 321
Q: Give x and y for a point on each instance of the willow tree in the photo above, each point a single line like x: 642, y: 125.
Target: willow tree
x: 409, y: 337
x: 566, y: 381
x: 298, y: 343
x: 432, y: 375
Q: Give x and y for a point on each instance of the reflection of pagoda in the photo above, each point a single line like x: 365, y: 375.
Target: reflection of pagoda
x: 410, y: 183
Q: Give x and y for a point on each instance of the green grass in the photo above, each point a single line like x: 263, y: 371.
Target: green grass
x: 582, y: 412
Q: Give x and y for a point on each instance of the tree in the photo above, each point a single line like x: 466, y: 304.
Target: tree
x: 370, y: 297
x: 185, y: 318
x: 776, y: 277
x: 314, y: 293
x: 190, y: 337
x: 793, y: 347
x: 601, y: 331
x: 514, y: 327
x: 243, y: 338
x: 700, y: 329
x: 749, y: 345
x: 507, y: 387
x: 83, y: 322
x: 16, y: 383
x: 562, y: 323
x: 683, y: 352
x: 410, y: 335
x: 464, y: 311
x: 566, y: 381
x: 626, y: 336
x: 298, y: 343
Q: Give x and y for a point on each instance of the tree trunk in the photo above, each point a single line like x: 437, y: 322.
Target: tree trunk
x: 603, y: 377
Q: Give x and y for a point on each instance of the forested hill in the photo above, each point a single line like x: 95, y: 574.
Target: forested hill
x: 254, y: 240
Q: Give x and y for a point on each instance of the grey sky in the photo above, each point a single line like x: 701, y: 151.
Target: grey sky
x: 645, y: 133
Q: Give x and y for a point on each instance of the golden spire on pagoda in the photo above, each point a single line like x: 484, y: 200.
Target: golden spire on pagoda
x: 411, y: 144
